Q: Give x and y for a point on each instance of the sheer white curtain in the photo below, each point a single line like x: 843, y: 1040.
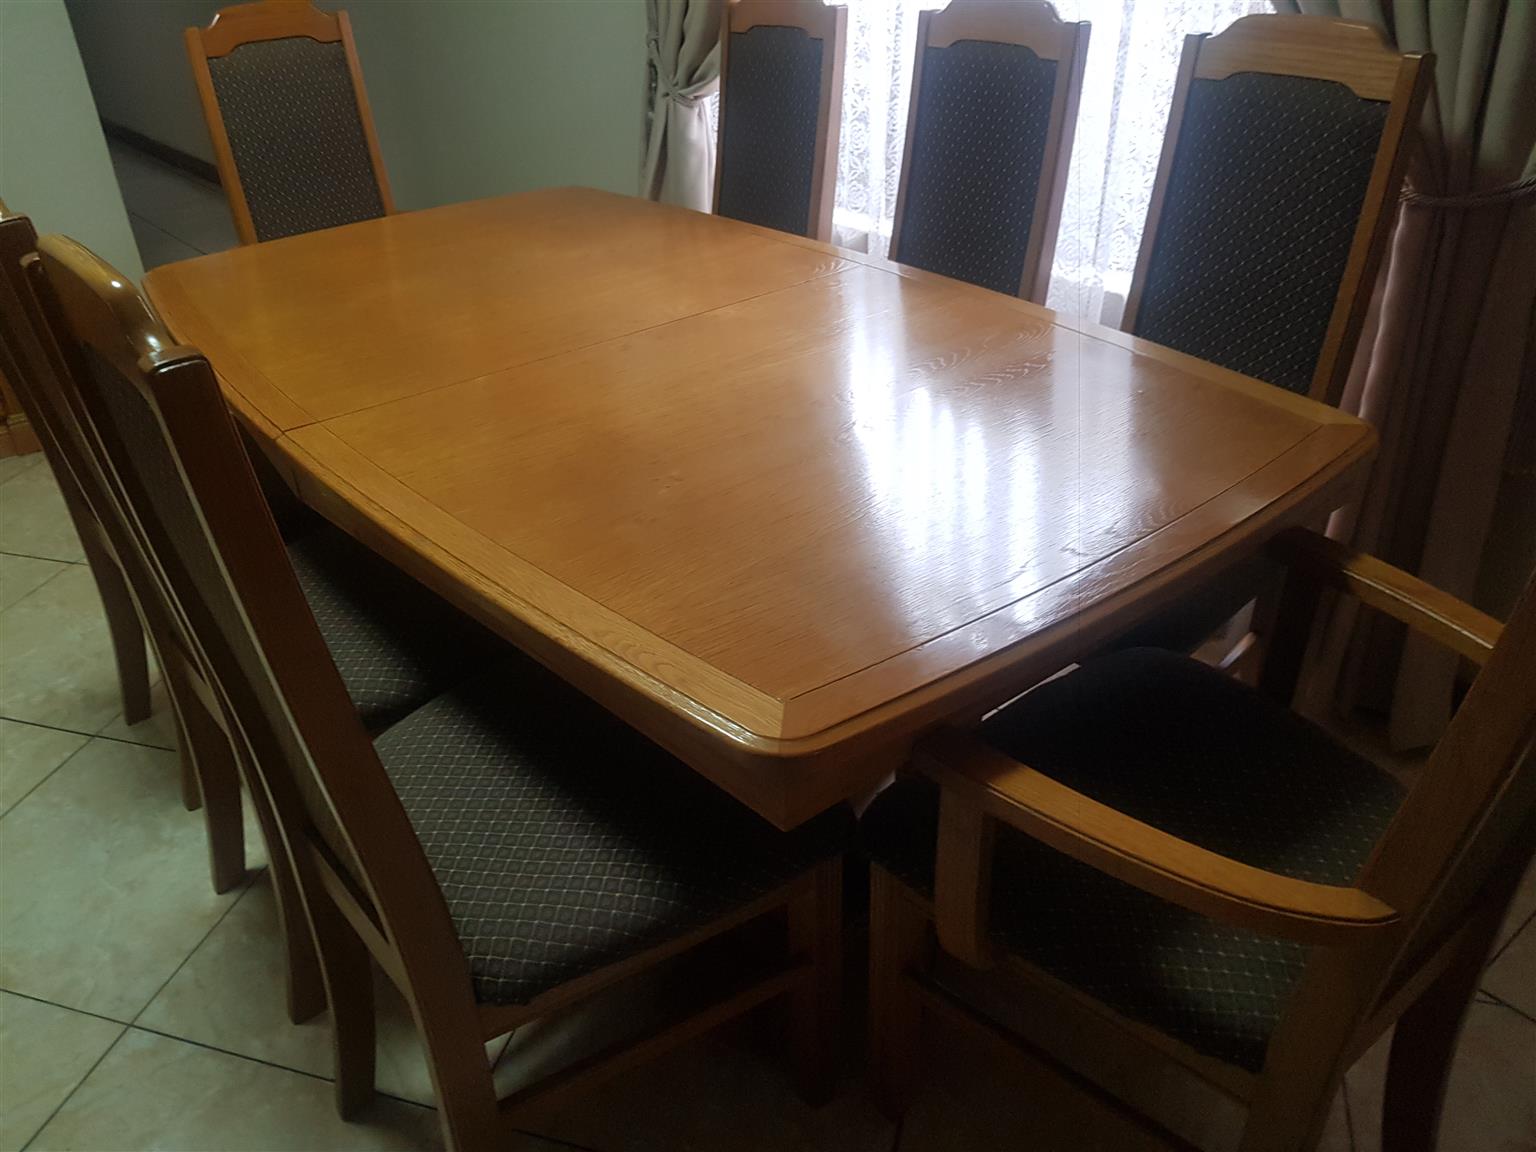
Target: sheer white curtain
x: 1133, y: 53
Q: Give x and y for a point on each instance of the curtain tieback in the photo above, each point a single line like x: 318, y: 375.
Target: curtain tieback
x: 687, y: 94
x: 1511, y: 193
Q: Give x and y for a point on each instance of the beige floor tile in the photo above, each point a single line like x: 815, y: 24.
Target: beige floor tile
x: 230, y: 995
x: 56, y: 663
x: 159, y: 731
x: 1491, y: 1102
x: 1521, y: 908
x: 27, y: 754
x: 104, y: 884
x: 157, y: 246
x: 44, y: 1052
x: 1512, y: 976
x: 715, y: 1093
x: 151, y: 1092
x: 13, y: 466
x: 34, y: 520
x: 22, y: 574
x: 191, y: 210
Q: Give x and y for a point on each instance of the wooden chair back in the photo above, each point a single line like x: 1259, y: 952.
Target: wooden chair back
x: 293, y: 137
x: 781, y: 100
x: 24, y: 360
x: 1286, y: 146
x: 174, y: 452
x: 1001, y: 81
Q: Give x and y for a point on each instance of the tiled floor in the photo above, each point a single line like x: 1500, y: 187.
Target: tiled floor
x: 139, y: 1010
x: 174, y: 216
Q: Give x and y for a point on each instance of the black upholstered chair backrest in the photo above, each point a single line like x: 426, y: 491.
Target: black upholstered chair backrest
x: 781, y: 98
x: 1285, y: 148
x: 994, y: 103
x: 285, y: 107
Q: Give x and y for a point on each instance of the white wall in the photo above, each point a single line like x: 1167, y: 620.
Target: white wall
x: 471, y: 97
x: 53, y: 160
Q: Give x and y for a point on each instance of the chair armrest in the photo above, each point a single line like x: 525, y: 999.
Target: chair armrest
x: 981, y: 784
x: 1406, y: 598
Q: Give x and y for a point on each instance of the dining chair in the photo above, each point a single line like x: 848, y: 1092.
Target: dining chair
x: 505, y: 852
x: 1163, y: 867
x: 781, y: 99
x: 396, y: 645
x: 21, y: 356
x: 990, y: 122
x: 1285, y: 151
x: 282, y: 94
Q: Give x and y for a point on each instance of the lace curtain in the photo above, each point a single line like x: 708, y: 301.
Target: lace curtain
x: 1133, y: 53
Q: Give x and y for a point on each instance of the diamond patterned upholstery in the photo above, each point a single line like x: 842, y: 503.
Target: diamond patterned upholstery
x: 1268, y: 179
x: 394, y: 642
x: 565, y: 842
x: 291, y: 116
x: 770, y: 105
x: 1180, y: 746
x: 978, y: 146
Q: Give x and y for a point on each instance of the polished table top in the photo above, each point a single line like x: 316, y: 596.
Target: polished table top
x: 780, y: 506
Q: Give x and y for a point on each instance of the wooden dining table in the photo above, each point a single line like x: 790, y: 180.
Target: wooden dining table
x: 783, y: 507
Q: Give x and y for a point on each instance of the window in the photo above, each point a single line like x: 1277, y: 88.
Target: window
x: 1133, y: 55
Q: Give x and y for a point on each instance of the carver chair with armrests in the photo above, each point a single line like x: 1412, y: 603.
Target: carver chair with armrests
x: 992, y: 114
x: 504, y: 852
x: 282, y: 94
x: 781, y: 99
x: 1163, y: 867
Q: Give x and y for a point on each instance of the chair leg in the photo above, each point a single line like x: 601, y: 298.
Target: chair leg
x: 218, y: 781
x: 1424, y: 1043
x: 127, y: 634
x: 467, y: 1109
x: 900, y: 942
x: 816, y: 933
x: 348, y: 975
x: 191, y: 788
x: 304, y: 981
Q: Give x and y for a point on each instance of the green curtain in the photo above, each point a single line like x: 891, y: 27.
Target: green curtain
x: 1449, y: 361
x: 677, y: 164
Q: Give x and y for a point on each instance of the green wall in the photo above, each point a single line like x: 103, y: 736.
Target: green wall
x: 475, y: 99
x: 137, y: 65
x: 471, y: 97
x: 53, y: 159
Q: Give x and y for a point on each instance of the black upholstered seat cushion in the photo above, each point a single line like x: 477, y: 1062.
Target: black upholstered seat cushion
x: 770, y: 108
x: 394, y: 642
x: 1182, y: 747
x: 978, y: 146
x: 565, y: 842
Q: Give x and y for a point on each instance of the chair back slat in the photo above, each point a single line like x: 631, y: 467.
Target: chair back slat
x: 282, y: 94
x: 1273, y: 197
x: 781, y: 78
x: 992, y: 114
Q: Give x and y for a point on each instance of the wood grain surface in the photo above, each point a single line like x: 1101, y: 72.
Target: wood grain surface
x: 782, y: 507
